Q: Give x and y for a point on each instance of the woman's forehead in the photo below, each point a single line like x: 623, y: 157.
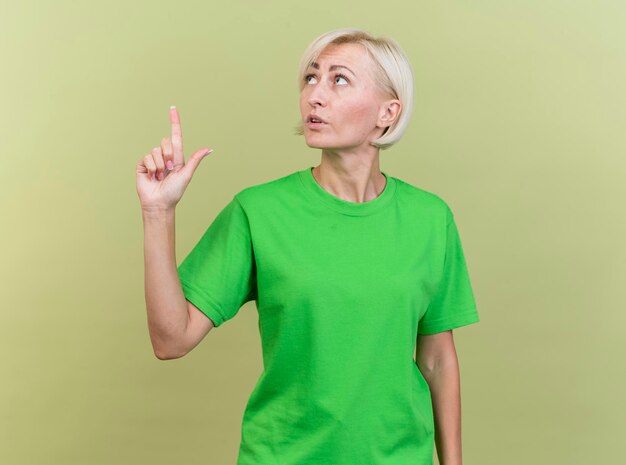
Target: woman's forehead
x: 352, y: 55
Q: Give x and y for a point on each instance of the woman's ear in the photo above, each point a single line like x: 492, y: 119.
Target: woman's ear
x: 390, y: 111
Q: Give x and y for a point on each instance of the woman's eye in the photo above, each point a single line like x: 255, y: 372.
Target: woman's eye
x: 341, y: 76
x: 306, y: 78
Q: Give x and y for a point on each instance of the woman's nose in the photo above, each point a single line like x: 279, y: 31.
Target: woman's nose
x: 317, y: 96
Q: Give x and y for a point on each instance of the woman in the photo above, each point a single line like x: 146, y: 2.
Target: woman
x: 354, y: 273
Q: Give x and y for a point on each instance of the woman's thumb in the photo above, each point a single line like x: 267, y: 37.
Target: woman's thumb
x: 195, y: 158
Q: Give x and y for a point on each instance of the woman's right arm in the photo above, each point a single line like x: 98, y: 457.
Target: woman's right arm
x: 175, y: 325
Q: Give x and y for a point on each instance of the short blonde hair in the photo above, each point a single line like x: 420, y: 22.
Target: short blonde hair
x: 393, y: 74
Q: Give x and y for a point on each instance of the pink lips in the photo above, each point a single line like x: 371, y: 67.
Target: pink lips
x: 315, y: 122
x: 311, y: 117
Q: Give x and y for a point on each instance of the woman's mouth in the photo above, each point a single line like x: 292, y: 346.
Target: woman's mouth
x: 315, y: 122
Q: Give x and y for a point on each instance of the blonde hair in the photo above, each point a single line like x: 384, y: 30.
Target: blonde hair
x: 392, y: 74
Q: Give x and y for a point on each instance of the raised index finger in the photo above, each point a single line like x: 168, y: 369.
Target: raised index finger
x: 177, y: 137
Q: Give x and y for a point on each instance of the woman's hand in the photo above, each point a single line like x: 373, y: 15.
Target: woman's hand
x: 163, y: 175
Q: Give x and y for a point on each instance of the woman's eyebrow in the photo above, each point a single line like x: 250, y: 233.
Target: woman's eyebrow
x: 332, y: 67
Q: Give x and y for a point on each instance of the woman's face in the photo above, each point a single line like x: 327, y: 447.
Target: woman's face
x: 339, y: 88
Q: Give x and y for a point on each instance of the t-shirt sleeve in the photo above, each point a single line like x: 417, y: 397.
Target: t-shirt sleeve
x: 453, y: 303
x: 219, y: 274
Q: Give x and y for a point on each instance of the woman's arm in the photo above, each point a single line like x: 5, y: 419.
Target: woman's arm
x: 176, y: 326
x: 437, y: 360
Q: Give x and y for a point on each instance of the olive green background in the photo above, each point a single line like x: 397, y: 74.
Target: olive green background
x: 518, y: 124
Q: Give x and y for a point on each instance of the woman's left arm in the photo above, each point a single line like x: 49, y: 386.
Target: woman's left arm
x: 437, y: 360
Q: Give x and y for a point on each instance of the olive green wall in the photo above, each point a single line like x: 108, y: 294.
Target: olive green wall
x: 518, y: 124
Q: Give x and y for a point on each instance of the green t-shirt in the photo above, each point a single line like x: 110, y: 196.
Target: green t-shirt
x: 342, y: 290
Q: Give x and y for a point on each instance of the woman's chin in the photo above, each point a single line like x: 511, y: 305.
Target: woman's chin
x: 314, y: 144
